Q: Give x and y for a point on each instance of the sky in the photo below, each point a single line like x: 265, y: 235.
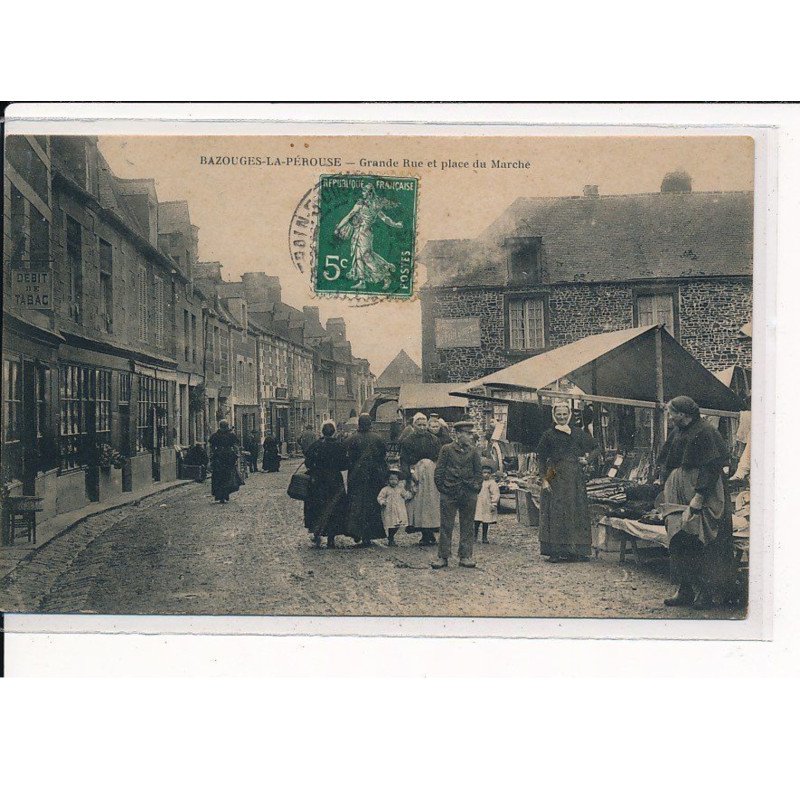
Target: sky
x: 244, y: 212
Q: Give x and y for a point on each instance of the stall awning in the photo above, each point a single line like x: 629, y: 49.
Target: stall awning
x: 618, y: 364
x: 430, y: 395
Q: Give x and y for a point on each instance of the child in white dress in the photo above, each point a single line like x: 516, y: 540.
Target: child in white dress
x: 488, y: 500
x: 392, y: 500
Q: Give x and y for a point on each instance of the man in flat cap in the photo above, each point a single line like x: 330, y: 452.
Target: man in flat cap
x: 458, y: 478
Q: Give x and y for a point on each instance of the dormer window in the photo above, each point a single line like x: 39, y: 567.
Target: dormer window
x: 524, y: 259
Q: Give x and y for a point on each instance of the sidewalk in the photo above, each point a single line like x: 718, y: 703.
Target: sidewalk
x: 12, y: 555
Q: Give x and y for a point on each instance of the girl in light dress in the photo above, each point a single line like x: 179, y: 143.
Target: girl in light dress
x: 392, y: 500
x: 488, y: 500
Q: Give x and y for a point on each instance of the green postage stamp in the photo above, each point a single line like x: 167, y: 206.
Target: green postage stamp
x: 366, y: 235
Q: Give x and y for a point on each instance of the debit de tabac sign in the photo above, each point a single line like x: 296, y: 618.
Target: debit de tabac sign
x: 31, y: 289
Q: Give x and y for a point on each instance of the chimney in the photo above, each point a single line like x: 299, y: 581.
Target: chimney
x: 336, y: 328
x: 676, y: 182
x: 591, y: 190
x: 208, y: 271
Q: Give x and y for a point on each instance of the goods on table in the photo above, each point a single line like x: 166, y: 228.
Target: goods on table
x: 606, y: 490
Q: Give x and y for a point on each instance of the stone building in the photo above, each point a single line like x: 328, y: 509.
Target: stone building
x: 553, y: 270
x: 99, y: 374
x: 119, y: 345
x: 178, y: 238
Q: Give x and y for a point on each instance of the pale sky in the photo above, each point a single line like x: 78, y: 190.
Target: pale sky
x: 244, y: 212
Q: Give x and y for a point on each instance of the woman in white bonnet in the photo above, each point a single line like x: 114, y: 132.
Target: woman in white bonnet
x: 565, y: 530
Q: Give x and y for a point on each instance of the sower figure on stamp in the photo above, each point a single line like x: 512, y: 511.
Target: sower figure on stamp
x: 366, y: 265
x: 697, y: 509
x: 458, y: 478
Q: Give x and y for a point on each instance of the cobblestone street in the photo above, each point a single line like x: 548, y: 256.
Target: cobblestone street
x: 180, y: 553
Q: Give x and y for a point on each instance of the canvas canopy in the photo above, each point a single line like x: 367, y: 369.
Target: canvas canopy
x: 619, y: 364
x: 430, y: 395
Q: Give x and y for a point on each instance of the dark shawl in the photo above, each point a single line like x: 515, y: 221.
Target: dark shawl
x: 325, y: 509
x: 367, y: 474
x: 416, y: 446
x: 698, y: 446
x: 555, y: 446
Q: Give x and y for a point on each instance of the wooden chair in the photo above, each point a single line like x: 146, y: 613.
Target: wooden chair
x: 21, y: 516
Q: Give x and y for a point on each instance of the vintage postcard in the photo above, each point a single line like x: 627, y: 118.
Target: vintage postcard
x: 426, y: 374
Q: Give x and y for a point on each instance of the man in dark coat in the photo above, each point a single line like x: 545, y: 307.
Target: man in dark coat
x: 366, y: 476
x: 697, y: 507
x: 458, y: 478
x: 252, y: 445
x: 271, y: 461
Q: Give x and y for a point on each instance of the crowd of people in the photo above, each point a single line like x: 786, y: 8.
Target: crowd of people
x: 434, y: 476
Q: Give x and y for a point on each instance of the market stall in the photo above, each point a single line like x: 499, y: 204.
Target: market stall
x: 620, y: 383
x: 436, y: 398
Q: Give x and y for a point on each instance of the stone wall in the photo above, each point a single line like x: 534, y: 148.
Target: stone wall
x: 580, y: 310
x: 711, y: 313
x: 463, y: 363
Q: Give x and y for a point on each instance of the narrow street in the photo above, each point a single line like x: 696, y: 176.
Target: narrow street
x: 179, y: 553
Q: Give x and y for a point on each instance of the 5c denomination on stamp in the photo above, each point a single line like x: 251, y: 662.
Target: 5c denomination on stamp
x: 366, y: 234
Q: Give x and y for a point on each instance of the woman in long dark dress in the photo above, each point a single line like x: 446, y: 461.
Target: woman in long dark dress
x: 271, y: 461
x: 565, y: 532
x: 224, y: 458
x: 367, y: 474
x: 700, y: 527
x: 325, y: 508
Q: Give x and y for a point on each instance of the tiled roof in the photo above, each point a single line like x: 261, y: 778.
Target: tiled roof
x: 401, y: 369
x: 173, y: 216
x: 611, y: 237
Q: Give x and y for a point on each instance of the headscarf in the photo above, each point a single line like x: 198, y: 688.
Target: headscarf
x: 685, y: 405
x: 563, y: 428
x: 417, y: 417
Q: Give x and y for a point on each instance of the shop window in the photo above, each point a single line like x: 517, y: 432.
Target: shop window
x: 151, y: 424
x: 85, y: 400
x: 124, y: 388
x: 12, y: 401
x: 75, y: 266
x: 526, y: 327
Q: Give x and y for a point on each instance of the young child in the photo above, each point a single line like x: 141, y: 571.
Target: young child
x: 488, y: 500
x: 392, y: 500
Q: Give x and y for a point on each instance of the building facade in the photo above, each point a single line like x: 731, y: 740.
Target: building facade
x: 550, y: 271
x: 120, y: 347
